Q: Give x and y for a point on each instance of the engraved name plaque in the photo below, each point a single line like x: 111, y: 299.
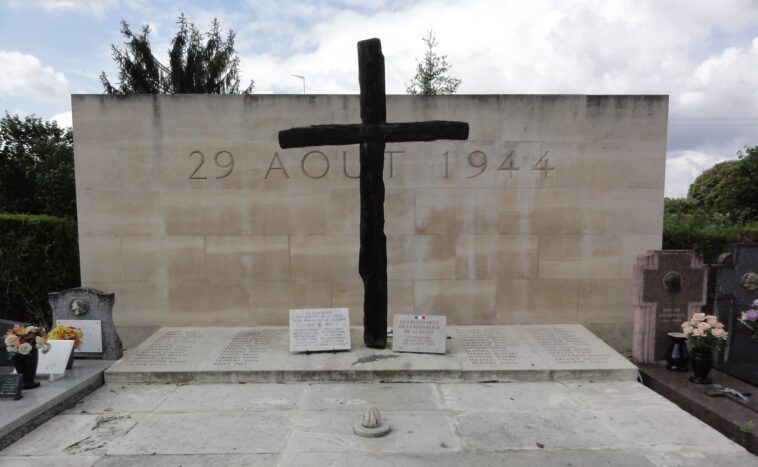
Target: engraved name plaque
x: 93, y: 334
x: 320, y: 329
x: 419, y: 333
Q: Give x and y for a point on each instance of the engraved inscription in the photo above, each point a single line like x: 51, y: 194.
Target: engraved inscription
x: 567, y: 348
x: 246, y: 347
x: 316, y: 165
x: 315, y: 174
x: 488, y: 347
x: 543, y: 165
x: 171, y: 348
x: 478, y: 160
x: 224, y: 160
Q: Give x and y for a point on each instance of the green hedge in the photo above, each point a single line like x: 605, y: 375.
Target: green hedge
x: 681, y: 233
x: 38, y: 254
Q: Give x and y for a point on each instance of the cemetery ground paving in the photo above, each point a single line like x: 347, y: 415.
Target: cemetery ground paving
x: 433, y: 424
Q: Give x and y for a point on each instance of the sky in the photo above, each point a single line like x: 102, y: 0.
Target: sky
x: 703, y: 54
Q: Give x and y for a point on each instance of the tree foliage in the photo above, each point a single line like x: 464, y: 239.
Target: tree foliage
x: 197, y: 63
x: 730, y: 188
x: 36, y: 167
x: 433, y: 72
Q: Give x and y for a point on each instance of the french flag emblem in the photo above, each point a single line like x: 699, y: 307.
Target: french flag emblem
x: 419, y: 317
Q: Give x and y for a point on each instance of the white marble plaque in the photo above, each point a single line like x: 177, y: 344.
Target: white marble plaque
x: 93, y: 334
x: 319, y: 329
x: 419, y: 333
x: 55, y: 359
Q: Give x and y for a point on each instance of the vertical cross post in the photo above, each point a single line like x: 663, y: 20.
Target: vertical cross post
x: 372, y: 261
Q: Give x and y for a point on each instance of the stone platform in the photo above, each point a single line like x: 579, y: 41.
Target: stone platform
x: 474, y: 354
x: 432, y: 425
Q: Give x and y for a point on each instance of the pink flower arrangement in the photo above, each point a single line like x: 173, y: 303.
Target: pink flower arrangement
x: 704, y: 331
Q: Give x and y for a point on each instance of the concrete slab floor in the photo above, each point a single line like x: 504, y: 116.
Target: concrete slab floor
x: 433, y: 424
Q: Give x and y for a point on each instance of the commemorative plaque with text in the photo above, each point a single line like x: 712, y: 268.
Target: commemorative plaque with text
x: 320, y: 329
x: 419, y: 333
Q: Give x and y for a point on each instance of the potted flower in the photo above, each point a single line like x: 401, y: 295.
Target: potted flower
x: 705, y: 335
x: 62, y: 332
x: 22, y: 343
x: 749, y: 318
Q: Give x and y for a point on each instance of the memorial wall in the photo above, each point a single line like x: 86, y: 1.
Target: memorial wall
x: 192, y: 215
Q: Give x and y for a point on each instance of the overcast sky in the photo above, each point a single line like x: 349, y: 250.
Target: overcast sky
x: 703, y: 54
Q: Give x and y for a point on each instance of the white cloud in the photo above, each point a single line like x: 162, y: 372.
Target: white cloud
x: 24, y: 74
x: 93, y: 7
x: 63, y: 119
x: 704, y: 55
x: 683, y: 167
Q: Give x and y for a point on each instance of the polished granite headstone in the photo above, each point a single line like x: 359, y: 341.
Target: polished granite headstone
x: 88, y: 305
x: 669, y: 287
x: 735, y: 289
x: 474, y: 353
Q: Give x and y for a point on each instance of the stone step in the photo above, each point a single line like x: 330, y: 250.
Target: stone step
x: 567, y: 352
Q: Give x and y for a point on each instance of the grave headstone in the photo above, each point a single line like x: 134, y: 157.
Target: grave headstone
x: 318, y: 330
x: 669, y: 287
x: 419, y: 333
x: 735, y: 288
x: 4, y: 326
x: 89, y: 309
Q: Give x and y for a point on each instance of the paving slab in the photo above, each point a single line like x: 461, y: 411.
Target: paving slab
x: 554, y: 429
x: 196, y: 398
x: 509, y: 396
x: 482, y: 459
x: 433, y: 424
x: 474, y: 353
x: 190, y: 460
x: 87, y: 435
x: 205, y: 433
x: 355, y: 397
x: 119, y: 398
x: 414, y: 432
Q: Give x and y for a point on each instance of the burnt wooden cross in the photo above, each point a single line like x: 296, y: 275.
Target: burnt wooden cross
x: 371, y: 134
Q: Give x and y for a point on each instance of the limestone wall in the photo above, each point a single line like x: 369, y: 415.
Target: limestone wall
x: 190, y: 212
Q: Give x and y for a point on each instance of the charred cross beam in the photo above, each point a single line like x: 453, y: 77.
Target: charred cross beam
x: 371, y: 134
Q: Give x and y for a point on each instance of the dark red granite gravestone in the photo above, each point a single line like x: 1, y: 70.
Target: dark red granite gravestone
x: 669, y: 287
x: 735, y: 288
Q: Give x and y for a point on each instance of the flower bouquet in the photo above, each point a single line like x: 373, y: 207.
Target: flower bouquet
x: 749, y: 318
x: 21, y: 340
x: 704, y: 331
x: 22, y: 343
x: 62, y: 332
x: 705, y: 334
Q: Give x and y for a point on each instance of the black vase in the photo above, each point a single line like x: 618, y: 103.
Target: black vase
x: 678, y: 358
x: 702, y: 361
x: 26, y: 365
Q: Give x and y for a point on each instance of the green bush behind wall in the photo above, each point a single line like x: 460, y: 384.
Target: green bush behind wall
x: 38, y: 254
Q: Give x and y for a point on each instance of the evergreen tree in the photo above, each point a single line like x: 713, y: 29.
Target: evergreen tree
x: 36, y: 167
x: 432, y: 73
x: 196, y: 66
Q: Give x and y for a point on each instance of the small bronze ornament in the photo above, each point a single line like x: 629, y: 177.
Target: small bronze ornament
x: 79, y: 307
x: 673, y: 281
x: 749, y: 281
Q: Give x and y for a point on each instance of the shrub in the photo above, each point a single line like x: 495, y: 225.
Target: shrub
x: 38, y: 254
